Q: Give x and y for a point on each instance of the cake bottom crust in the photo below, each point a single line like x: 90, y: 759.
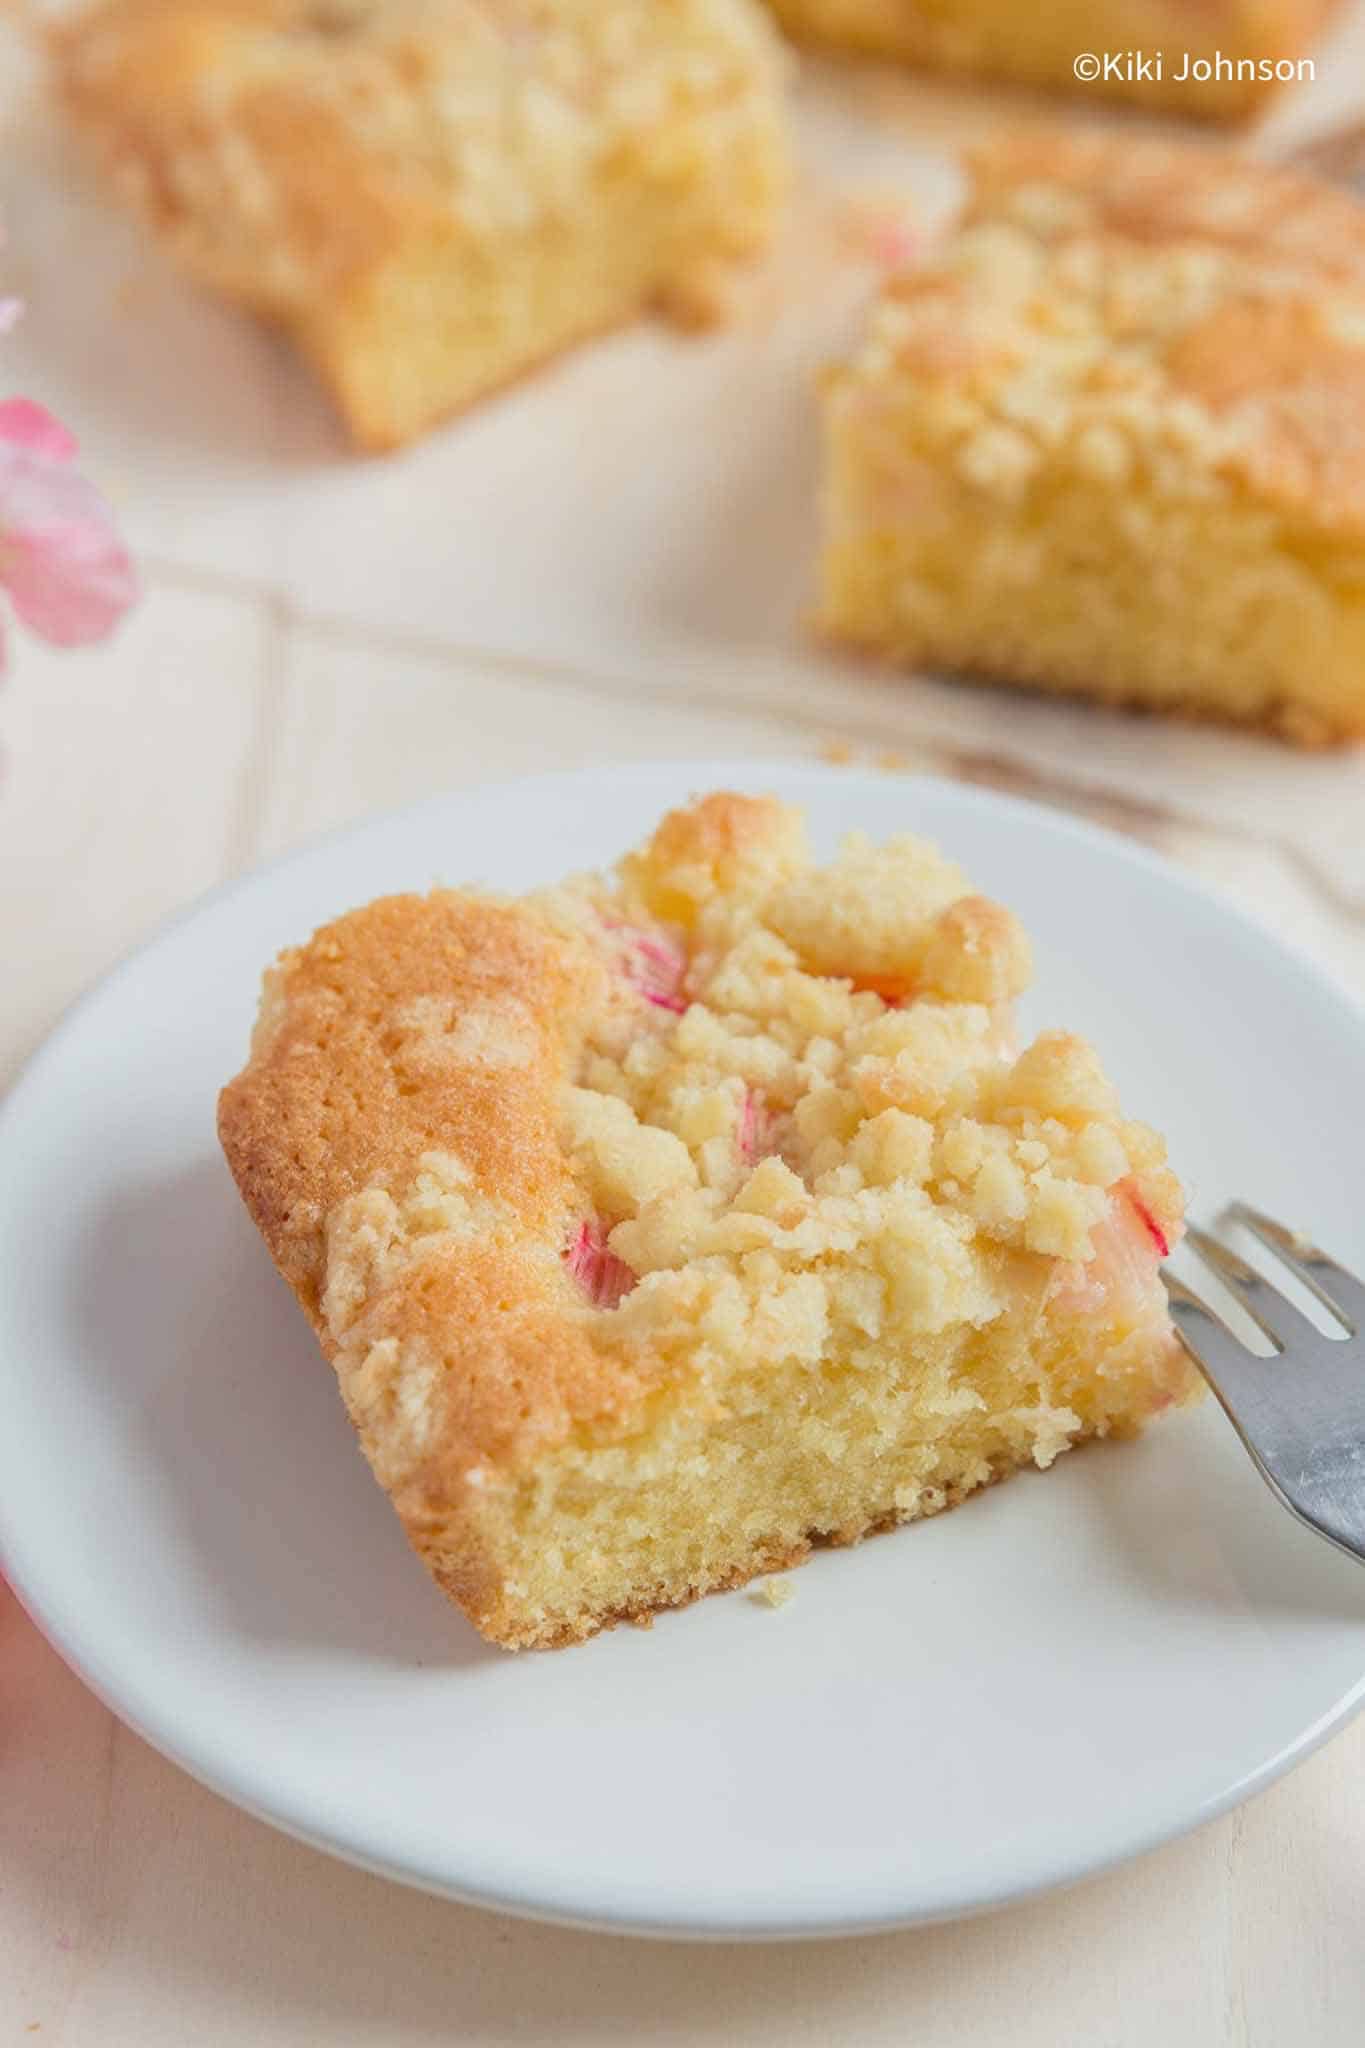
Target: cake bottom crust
x: 433, y: 334
x: 372, y: 424
x: 501, y: 1626
x: 1207, y: 622
x: 779, y: 1558
x: 1279, y: 717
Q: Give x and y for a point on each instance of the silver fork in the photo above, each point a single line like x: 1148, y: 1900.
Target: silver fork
x: 1301, y: 1412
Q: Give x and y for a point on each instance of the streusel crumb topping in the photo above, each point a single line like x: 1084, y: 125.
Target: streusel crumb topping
x: 305, y: 133
x: 1146, y: 310
x: 794, y: 1117
x: 839, y: 1100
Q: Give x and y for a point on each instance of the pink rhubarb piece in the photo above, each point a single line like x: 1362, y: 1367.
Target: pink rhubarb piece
x: 654, y: 965
x: 605, y: 1279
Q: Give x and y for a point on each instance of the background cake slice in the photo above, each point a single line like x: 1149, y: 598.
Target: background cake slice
x: 1250, y: 47
x: 1110, y: 439
x: 433, y: 196
x: 659, y: 1226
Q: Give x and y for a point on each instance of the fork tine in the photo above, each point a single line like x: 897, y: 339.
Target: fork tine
x: 1285, y: 1325
x: 1266, y: 1306
x: 1301, y: 1414
x: 1204, y: 1335
x: 1306, y: 1453
x: 1339, y: 1291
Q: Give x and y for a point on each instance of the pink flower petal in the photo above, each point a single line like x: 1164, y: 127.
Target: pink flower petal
x: 11, y: 313
x: 29, y: 425
x: 605, y: 1279
x: 69, y: 575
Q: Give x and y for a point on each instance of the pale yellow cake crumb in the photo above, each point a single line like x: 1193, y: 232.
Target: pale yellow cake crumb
x: 776, y: 1593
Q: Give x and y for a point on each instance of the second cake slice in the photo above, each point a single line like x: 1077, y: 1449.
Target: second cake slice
x: 433, y: 196
x: 1111, y: 440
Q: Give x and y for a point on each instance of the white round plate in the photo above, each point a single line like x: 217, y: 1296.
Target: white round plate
x: 1059, y: 1674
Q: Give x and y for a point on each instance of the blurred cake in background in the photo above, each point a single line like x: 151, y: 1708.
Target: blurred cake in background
x: 434, y: 196
x: 1110, y: 439
x: 1048, y: 45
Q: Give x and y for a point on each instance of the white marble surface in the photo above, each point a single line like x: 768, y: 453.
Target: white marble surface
x: 609, y: 565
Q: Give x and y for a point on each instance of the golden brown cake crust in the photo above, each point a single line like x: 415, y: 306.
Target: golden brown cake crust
x: 1277, y: 349
x: 333, y: 1091
x: 1145, y: 188
x: 353, y: 1078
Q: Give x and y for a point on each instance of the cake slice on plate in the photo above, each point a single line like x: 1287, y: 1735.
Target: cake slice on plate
x: 434, y: 196
x: 1110, y: 440
x: 665, y: 1223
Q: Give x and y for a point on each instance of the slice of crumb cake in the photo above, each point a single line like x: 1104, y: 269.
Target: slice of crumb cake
x: 434, y: 196
x: 665, y: 1223
x: 1108, y: 440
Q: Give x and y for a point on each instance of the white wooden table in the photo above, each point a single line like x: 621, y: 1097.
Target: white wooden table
x: 321, y: 639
